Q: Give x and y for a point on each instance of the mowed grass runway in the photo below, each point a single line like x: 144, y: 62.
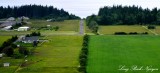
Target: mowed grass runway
x: 107, y: 54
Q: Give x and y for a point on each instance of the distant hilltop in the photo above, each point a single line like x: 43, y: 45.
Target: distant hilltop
x: 35, y: 12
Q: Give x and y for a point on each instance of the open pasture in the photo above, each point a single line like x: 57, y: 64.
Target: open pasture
x: 108, y: 54
x: 109, y: 30
x: 67, y: 25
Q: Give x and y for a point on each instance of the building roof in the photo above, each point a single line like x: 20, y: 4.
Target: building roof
x: 11, y: 19
x: 33, y: 38
x: 8, y: 23
x: 7, y: 27
x: 23, y: 27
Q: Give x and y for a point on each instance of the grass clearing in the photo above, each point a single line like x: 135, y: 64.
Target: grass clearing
x: 109, y: 30
x: 108, y: 53
x: 59, y: 55
x: 67, y: 25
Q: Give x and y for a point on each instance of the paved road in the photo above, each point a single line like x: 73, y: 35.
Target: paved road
x: 81, y: 28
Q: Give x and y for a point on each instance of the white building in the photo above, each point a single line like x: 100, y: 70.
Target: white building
x: 7, y: 28
x: 6, y: 64
x: 11, y: 19
x: 23, y: 28
x: 1, y: 55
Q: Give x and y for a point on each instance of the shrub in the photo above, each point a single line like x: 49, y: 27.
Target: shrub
x: 56, y: 28
x: 8, y: 51
x: 145, y: 33
x: 23, y: 50
x: 18, y: 55
x: 133, y: 33
x: 120, y: 33
x: 82, y: 69
x: 83, y: 55
x: 151, y: 27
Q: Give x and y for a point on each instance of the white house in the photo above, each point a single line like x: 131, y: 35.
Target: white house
x: 23, y: 28
x: 11, y: 19
x: 6, y: 64
x: 1, y: 55
x: 7, y: 28
x: 30, y: 39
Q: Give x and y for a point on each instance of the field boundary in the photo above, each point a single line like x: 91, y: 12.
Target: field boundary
x: 150, y: 30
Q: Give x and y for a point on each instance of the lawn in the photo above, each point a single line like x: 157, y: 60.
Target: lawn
x: 4, y: 38
x: 59, y: 55
x: 14, y: 63
x: 67, y: 25
x: 122, y: 28
x: 13, y: 33
x: 108, y: 54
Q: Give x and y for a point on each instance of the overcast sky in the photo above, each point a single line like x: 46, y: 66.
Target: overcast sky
x: 83, y: 8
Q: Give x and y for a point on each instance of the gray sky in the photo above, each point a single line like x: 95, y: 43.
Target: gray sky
x: 83, y: 8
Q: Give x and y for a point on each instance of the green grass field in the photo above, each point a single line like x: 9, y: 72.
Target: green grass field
x: 12, y: 33
x: 122, y: 28
x: 14, y: 63
x: 4, y: 38
x: 108, y: 53
x: 58, y: 55
x: 67, y: 25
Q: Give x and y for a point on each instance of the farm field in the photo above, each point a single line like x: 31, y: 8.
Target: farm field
x: 59, y: 55
x: 67, y: 25
x: 109, y: 30
x: 157, y: 30
x: 108, y: 54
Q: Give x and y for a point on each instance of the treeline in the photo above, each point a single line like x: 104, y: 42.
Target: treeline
x: 91, y: 22
x: 84, y: 55
x: 35, y: 11
x: 7, y: 46
x: 127, y: 15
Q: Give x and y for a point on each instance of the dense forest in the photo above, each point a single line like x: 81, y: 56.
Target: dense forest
x: 123, y: 15
x: 35, y: 11
x: 126, y: 15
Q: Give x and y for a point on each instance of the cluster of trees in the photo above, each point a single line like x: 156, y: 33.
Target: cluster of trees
x: 151, y: 27
x: 127, y: 15
x: 35, y: 11
x: 7, y: 46
x: 130, y: 33
x: 16, y: 26
x: 92, y: 24
x: 34, y: 34
x: 84, y: 54
x: 22, y: 51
